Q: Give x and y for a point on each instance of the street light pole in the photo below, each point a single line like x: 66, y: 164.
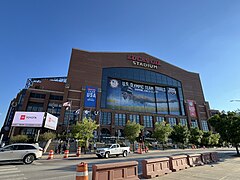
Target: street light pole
x: 70, y: 110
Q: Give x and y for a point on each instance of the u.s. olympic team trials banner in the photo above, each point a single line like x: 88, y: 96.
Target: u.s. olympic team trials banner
x: 90, y: 97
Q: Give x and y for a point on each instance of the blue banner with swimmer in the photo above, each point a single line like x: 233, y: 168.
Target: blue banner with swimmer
x: 130, y: 96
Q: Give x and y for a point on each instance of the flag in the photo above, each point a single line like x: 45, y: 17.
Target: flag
x: 67, y: 104
x: 77, y: 111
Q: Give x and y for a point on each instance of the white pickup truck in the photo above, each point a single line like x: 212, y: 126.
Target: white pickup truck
x: 113, y: 149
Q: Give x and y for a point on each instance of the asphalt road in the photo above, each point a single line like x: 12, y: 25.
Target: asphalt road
x: 64, y: 169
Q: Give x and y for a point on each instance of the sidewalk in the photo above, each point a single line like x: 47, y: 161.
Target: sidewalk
x: 226, y: 169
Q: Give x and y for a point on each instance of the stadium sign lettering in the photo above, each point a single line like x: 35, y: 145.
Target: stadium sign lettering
x: 144, y: 62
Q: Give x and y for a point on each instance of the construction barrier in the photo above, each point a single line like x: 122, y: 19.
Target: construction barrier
x: 66, y: 152
x: 112, y: 171
x: 78, y: 151
x: 206, y: 159
x: 50, y: 155
x: 214, y: 156
x: 178, y: 162
x: 194, y: 160
x: 155, y: 167
x: 82, y: 171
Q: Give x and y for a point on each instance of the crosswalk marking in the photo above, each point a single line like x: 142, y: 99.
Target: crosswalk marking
x: 11, y: 172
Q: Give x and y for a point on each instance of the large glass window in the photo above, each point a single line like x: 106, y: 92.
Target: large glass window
x: 106, y: 118
x: 134, y: 118
x: 54, y: 108
x: 37, y: 95
x: 35, y: 107
x: 183, y: 122
x: 56, y: 97
x: 173, y: 101
x: 69, y: 117
x: 161, y: 100
x: 148, y: 121
x: 204, y: 125
x: 194, y: 123
x: 172, y: 121
x: 120, y: 119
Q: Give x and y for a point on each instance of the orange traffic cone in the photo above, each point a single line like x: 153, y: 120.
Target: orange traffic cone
x: 78, y: 151
x: 82, y: 171
x: 50, y: 155
x: 66, y: 152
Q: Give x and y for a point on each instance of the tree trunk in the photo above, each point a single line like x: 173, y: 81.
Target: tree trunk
x: 163, y: 145
x: 237, y: 149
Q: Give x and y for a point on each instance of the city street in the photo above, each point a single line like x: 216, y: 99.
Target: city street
x: 65, y: 168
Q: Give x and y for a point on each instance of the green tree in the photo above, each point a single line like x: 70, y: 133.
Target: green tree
x: 215, y: 139
x: 195, y: 136
x: 132, y: 130
x: 206, y: 139
x: 228, y: 126
x: 180, y: 135
x: 46, y: 136
x: 161, y: 132
x: 83, y: 131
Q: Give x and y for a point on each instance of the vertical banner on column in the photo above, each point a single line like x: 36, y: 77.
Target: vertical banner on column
x: 90, y: 97
x: 192, y: 108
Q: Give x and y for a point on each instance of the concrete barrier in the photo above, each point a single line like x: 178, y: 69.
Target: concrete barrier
x: 155, y: 167
x: 178, y: 162
x: 112, y: 171
x: 206, y: 159
x: 194, y: 160
x: 214, y: 156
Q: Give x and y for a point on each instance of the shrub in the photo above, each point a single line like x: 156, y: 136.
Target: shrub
x: 19, y: 139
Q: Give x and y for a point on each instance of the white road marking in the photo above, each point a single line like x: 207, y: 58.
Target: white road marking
x: 11, y: 173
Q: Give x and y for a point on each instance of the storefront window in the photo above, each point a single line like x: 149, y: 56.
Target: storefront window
x: 204, y: 125
x: 183, y: 122
x: 194, y: 123
x: 148, y: 121
x: 172, y: 121
x: 106, y: 118
x: 134, y: 118
x: 160, y: 119
x: 120, y: 119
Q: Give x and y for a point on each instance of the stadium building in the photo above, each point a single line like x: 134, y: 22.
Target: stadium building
x: 113, y: 88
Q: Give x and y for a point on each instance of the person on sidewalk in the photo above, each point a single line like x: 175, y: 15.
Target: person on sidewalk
x: 60, y: 148
x: 90, y: 147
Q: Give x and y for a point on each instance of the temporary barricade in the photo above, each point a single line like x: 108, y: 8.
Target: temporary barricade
x: 206, y: 159
x: 178, y: 162
x: 112, y: 171
x: 214, y: 156
x: 155, y: 167
x: 194, y: 160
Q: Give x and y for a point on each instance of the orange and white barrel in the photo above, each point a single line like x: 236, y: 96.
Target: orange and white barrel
x: 50, y: 155
x: 66, y: 152
x: 82, y: 171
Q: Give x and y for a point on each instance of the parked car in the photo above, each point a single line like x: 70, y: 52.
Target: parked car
x: 113, y: 149
x: 21, y: 152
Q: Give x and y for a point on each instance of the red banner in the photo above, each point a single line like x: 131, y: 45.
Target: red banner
x: 192, y: 108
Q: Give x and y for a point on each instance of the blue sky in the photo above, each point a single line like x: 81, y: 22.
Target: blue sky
x: 203, y: 36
